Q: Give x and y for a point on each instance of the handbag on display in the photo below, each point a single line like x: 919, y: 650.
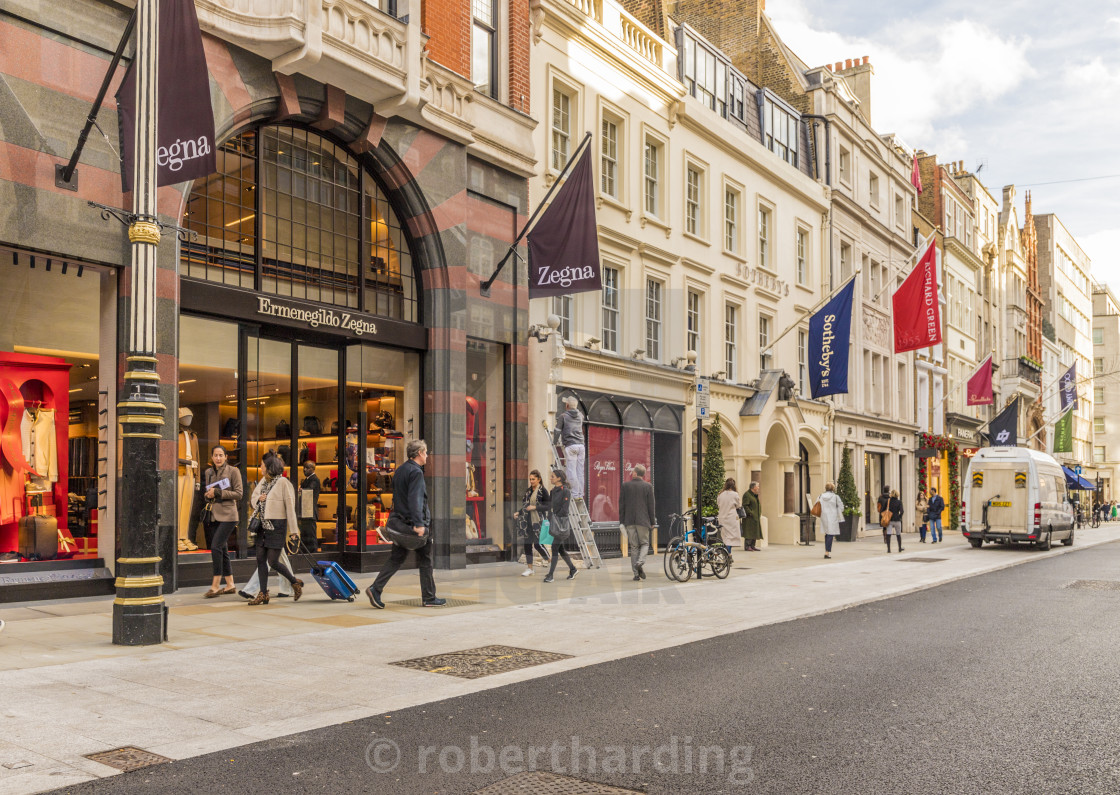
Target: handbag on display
x: 231, y: 429
x: 334, y: 428
x: 313, y: 426
x: 283, y: 430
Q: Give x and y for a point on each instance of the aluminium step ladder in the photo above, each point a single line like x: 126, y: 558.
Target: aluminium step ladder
x: 581, y: 526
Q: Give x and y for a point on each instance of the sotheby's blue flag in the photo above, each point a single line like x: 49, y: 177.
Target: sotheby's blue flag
x: 830, y: 332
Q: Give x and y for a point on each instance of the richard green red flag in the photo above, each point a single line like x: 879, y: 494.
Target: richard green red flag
x: 917, y: 314
x: 980, y: 385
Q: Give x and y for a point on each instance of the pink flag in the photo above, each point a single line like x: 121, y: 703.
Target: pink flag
x: 917, y: 315
x: 980, y: 385
x: 916, y: 176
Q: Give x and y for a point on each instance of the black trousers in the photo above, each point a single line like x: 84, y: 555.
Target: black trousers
x: 308, y: 535
x: 219, y: 547
x: 423, y: 561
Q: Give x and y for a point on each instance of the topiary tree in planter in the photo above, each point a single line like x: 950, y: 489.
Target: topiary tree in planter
x: 713, y: 473
x: 846, y: 489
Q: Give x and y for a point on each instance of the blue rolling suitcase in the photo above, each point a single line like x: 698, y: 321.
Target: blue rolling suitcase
x: 334, y: 580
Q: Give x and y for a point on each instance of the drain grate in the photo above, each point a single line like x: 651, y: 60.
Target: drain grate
x: 922, y: 560
x: 540, y: 783
x: 420, y: 603
x: 1094, y: 585
x: 128, y: 758
x: 483, y: 661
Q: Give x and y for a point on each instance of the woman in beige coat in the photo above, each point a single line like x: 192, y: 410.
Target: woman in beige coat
x: 729, y: 502
x: 274, y: 502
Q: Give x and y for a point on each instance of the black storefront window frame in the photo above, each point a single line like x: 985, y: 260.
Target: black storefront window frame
x: 608, y: 534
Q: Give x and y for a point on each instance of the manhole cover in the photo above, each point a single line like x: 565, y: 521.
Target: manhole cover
x: 922, y: 560
x: 484, y: 661
x: 541, y: 783
x: 128, y: 758
x: 420, y: 602
x: 1094, y: 585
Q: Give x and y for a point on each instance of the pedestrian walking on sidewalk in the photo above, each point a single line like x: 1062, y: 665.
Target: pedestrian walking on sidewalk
x: 637, y: 512
x: 569, y: 433
x: 559, y: 501
x: 274, y: 503
x: 223, y: 491
x: 410, y: 515
x: 752, y: 522
x: 922, y: 507
x: 731, y: 513
x: 889, y: 501
x: 832, y: 511
x: 936, y: 506
x: 253, y: 587
x: 533, y: 507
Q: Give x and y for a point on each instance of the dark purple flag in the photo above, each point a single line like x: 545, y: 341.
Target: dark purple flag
x: 185, y: 143
x: 564, y: 243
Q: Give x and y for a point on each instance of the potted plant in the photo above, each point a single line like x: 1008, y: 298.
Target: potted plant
x: 846, y: 488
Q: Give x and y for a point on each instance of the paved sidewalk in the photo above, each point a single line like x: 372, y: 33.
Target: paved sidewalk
x: 233, y: 675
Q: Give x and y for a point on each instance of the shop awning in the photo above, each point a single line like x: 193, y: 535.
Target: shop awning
x: 1075, y: 481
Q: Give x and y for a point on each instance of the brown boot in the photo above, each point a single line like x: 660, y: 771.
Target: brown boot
x: 260, y: 599
x: 297, y: 590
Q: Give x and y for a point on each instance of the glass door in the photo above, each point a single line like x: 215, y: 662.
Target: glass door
x: 268, y: 408
x: 316, y: 445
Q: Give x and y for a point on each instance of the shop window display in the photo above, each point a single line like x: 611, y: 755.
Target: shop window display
x: 52, y: 451
x: 485, y: 434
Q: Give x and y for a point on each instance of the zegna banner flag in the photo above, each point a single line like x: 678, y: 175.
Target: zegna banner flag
x: 980, y: 385
x: 1069, y: 389
x: 1004, y: 429
x: 1063, y: 433
x: 185, y: 118
x: 829, y: 337
x: 564, y: 243
x: 917, y: 314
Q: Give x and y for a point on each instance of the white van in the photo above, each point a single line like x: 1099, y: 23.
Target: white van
x: 1015, y: 495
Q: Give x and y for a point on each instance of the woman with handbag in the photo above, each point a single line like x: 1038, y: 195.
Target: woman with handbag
x: 731, y: 511
x: 533, y: 505
x: 222, y: 489
x: 830, y: 509
x: 921, y: 506
x: 890, y: 516
x: 273, y: 519
x: 558, y: 501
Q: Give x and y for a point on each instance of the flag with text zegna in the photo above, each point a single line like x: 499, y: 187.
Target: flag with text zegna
x: 917, y: 314
x: 564, y: 243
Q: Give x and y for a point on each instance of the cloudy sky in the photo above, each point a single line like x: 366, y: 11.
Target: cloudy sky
x: 1026, y: 87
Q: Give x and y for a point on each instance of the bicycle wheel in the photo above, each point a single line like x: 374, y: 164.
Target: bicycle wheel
x: 670, y: 546
x: 679, y: 564
x: 720, y: 561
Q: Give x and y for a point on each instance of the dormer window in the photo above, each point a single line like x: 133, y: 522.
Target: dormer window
x: 781, y: 127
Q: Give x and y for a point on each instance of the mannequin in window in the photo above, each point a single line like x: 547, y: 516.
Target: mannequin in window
x: 188, y: 478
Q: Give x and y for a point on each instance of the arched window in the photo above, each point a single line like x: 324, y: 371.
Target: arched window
x: 287, y: 213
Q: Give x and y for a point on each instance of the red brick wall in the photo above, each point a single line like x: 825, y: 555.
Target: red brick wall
x: 448, y: 24
x: 519, y: 55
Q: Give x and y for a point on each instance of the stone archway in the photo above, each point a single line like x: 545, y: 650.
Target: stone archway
x: 778, y: 487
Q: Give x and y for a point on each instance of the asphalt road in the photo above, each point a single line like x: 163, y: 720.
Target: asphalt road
x: 1004, y: 683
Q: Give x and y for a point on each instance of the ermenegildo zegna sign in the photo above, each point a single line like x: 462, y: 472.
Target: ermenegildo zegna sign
x: 210, y: 298
x: 314, y: 317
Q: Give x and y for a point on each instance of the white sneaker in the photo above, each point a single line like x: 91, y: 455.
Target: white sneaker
x: 527, y: 573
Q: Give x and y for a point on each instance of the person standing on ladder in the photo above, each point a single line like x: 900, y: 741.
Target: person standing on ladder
x: 569, y: 434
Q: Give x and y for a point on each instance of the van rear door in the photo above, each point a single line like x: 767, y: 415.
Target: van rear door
x: 1005, y: 484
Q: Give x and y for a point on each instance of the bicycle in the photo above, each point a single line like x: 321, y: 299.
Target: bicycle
x: 690, y: 549
x: 1095, y: 521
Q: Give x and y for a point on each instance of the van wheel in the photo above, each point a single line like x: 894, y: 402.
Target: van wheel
x: 1045, y: 545
x: 1068, y: 542
x: 976, y: 543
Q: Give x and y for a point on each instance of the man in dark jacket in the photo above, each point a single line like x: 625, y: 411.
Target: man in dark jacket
x: 410, y: 510
x: 569, y: 433
x: 309, y: 490
x: 933, y: 511
x: 638, y: 514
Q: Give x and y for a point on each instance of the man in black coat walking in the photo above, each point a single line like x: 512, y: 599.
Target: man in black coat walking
x: 410, y: 512
x: 638, y: 514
